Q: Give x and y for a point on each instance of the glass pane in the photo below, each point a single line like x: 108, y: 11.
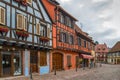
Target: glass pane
x: 6, y: 63
x: 17, y: 63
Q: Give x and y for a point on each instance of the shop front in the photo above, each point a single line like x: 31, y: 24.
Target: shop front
x: 10, y: 63
x: 86, y: 60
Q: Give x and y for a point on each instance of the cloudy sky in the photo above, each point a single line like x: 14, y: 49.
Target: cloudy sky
x: 99, y: 18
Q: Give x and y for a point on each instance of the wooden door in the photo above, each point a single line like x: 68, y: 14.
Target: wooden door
x: 33, y: 61
x: 57, y: 61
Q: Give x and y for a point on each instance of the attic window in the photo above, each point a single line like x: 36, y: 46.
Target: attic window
x: 98, y: 48
x: 103, y: 48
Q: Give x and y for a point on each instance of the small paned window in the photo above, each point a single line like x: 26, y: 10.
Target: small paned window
x: 2, y: 16
x: 68, y: 22
x: 43, y: 30
x: 43, y: 58
x: 48, y: 32
x: 29, y: 1
x: 21, y: 22
x: 85, y: 44
x: 79, y: 41
x: 62, y: 19
x: 64, y: 37
x: 98, y: 48
x: 38, y: 28
x: 69, y: 60
x: 71, y: 39
x: 103, y: 48
x: 88, y: 45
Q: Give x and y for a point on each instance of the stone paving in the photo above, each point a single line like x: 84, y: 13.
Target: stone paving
x: 106, y: 72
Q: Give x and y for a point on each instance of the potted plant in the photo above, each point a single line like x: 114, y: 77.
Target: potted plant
x: 17, y: 0
x: 69, y: 66
x: 45, y: 39
x: 24, y: 2
x: 22, y: 33
x: 3, y: 30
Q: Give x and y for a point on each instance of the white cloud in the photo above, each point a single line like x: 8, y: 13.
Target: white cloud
x: 100, y: 18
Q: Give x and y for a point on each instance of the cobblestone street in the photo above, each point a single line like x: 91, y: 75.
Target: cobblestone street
x: 106, y: 72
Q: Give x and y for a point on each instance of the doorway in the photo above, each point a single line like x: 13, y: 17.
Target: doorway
x: 57, y: 61
x: 6, y: 64
x: 33, y: 61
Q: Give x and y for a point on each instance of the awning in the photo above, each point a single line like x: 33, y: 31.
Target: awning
x: 87, y: 56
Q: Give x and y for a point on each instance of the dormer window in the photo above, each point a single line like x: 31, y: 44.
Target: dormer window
x: 103, y: 48
x: 98, y: 48
x: 2, y: 16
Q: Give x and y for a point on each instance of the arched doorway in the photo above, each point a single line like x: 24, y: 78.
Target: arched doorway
x: 57, y: 61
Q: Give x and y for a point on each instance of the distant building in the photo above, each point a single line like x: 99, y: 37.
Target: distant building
x: 101, y: 51
x: 114, y: 54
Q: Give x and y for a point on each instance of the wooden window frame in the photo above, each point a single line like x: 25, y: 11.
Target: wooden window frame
x: 79, y: 41
x: 71, y: 40
x: 69, y: 58
x: 38, y: 28
x: 23, y: 22
x: 44, y: 34
x: 64, y: 37
x: 43, y: 58
x: 3, y: 23
x: 48, y: 32
x: 85, y: 45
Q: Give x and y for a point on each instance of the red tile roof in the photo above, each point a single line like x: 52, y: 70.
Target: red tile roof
x: 101, y: 48
x: 116, y: 47
x: 60, y: 8
x: 77, y: 28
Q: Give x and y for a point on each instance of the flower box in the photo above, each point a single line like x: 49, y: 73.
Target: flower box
x: 17, y: 0
x: 3, y: 29
x: 23, y: 2
x: 22, y: 33
x: 45, y: 39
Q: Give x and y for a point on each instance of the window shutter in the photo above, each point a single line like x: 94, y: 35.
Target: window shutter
x: 25, y: 23
x: 48, y: 32
x: 29, y: 1
x: 19, y: 21
x: 38, y: 28
x: 2, y: 16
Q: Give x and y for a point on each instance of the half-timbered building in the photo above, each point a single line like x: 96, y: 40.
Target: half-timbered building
x: 25, y: 37
x: 84, y: 47
x: 66, y: 46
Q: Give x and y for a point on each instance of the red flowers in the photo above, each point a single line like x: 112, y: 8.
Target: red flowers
x: 22, y: 33
x: 17, y: 0
x: 23, y: 2
x: 4, y: 29
x: 45, y: 39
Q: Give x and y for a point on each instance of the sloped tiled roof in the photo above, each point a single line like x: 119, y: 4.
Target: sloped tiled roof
x: 77, y: 28
x: 101, y: 48
x: 116, y: 47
